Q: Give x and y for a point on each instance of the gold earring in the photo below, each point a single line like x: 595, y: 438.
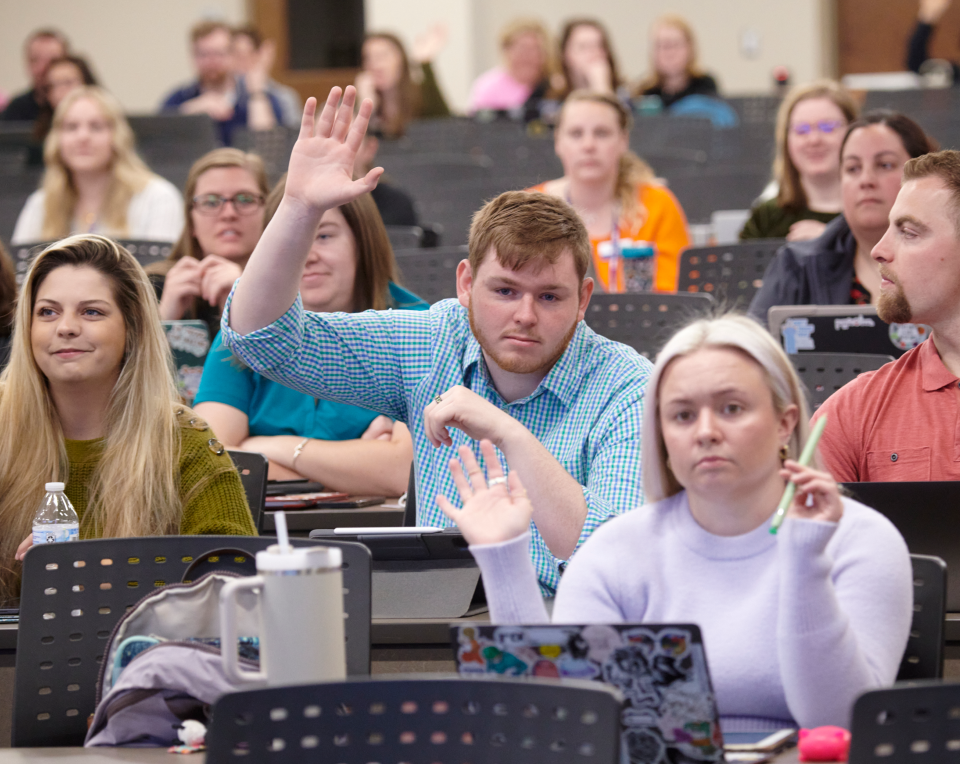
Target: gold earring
x: 784, y: 452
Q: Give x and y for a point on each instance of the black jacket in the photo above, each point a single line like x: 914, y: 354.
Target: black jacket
x: 816, y: 272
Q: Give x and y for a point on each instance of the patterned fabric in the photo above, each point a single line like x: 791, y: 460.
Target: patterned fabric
x: 587, y: 411
x: 858, y: 293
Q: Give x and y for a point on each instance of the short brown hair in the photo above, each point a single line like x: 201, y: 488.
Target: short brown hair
x: 376, y: 265
x: 205, y: 28
x: 791, y: 195
x: 528, y: 227
x: 944, y: 165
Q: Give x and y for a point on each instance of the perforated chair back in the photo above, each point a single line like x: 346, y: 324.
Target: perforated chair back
x: 907, y: 723
x: 643, y: 320
x: 825, y: 373
x: 145, y: 252
x: 732, y: 273
x: 405, y: 236
x: 923, y: 658
x: 426, y: 720
x: 253, y: 474
x: 73, y: 595
x: 431, y: 273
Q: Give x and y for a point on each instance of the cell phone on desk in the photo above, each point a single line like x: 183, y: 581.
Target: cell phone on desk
x: 286, y: 487
x: 351, y: 502
x: 302, y: 500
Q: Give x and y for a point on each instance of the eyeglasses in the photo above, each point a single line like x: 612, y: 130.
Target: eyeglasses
x: 211, y: 204
x: 824, y: 126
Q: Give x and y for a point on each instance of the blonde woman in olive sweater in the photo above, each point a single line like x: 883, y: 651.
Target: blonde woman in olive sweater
x: 88, y: 398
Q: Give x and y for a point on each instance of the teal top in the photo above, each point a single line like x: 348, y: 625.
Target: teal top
x: 272, y: 408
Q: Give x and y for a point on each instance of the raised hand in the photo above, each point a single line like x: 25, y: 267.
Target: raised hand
x: 320, y: 175
x: 931, y: 11
x: 494, y: 512
x: 825, y: 504
x: 429, y: 44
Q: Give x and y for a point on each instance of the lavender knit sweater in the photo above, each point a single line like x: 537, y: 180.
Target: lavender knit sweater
x: 795, y: 626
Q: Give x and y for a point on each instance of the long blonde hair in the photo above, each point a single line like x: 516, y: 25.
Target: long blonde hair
x: 655, y: 78
x: 129, y: 173
x: 731, y: 331
x: 632, y: 172
x: 135, y: 489
x: 791, y: 194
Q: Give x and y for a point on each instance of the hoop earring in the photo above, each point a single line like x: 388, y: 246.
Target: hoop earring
x: 784, y: 452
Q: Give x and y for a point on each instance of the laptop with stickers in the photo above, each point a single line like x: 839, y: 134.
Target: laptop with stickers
x: 841, y: 329
x: 189, y: 342
x: 670, y: 710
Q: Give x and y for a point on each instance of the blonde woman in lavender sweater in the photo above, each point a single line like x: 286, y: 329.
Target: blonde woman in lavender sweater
x: 796, y: 625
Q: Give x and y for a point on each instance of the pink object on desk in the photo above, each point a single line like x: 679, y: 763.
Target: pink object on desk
x: 824, y: 744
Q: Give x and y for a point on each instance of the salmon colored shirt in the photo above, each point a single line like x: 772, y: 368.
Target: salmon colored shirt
x: 664, y: 226
x: 898, y: 423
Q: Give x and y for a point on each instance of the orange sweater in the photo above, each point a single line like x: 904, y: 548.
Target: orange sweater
x: 665, y: 226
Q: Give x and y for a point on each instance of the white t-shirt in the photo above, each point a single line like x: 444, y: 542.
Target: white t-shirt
x: 154, y: 214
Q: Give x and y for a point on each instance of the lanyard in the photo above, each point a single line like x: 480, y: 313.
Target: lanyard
x: 613, y: 263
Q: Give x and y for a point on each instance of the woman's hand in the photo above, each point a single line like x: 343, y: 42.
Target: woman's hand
x: 825, y: 504
x: 320, y: 175
x: 259, y: 73
x: 803, y: 230
x: 931, y: 11
x: 217, y: 276
x: 490, y: 515
x: 24, y: 546
x: 429, y: 44
x: 180, y: 288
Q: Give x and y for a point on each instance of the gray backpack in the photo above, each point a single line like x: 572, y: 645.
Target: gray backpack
x: 162, y: 664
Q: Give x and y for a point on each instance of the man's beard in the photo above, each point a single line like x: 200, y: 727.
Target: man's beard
x: 520, y: 365
x: 893, y: 307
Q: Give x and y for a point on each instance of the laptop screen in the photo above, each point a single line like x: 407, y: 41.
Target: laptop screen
x: 669, y: 712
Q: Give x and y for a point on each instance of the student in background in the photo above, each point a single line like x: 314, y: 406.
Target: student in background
x: 350, y: 268
x: 90, y: 381
x: 400, y: 94
x: 523, y: 79
x: 673, y: 58
x: 217, y: 92
x: 898, y: 422
x: 797, y: 625
x: 587, y: 61
x: 63, y: 76
x: 224, y: 202
x: 836, y: 268
x: 252, y: 57
x: 42, y: 47
x: 94, y: 181
x: 811, y: 124
x: 928, y: 16
x: 613, y: 190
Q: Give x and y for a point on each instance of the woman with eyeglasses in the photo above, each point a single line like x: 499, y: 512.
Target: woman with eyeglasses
x: 810, y: 127
x: 224, y: 196
x: 94, y: 182
x: 836, y: 268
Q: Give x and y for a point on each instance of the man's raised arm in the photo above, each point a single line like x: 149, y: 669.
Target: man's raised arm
x: 319, y: 178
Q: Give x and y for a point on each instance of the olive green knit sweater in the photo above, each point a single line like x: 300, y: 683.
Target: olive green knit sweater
x: 214, y: 502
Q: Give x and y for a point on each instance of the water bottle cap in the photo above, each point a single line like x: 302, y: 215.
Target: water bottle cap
x: 273, y: 560
x: 54, y: 486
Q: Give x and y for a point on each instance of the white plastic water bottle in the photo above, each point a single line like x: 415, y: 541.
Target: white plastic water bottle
x: 56, y: 520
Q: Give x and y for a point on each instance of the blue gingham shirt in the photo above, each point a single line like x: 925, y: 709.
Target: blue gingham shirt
x: 587, y: 411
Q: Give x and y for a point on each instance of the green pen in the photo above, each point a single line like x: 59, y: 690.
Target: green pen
x: 805, y: 458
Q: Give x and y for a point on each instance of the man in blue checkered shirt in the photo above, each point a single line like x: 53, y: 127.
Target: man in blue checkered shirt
x: 510, y: 361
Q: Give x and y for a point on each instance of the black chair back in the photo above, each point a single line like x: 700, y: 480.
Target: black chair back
x: 923, y: 658
x: 73, y: 595
x: 643, y: 320
x: 825, y: 373
x: 431, y: 273
x: 405, y: 236
x: 907, y: 723
x: 253, y: 474
x: 410, y: 508
x: 145, y: 252
x: 732, y: 273
x: 430, y: 720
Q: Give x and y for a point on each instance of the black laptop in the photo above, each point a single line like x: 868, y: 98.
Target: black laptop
x: 926, y: 516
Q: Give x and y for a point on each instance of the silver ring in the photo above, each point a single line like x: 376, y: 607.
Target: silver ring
x: 496, y: 481
x: 438, y: 399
